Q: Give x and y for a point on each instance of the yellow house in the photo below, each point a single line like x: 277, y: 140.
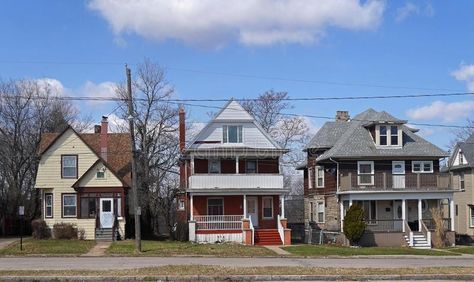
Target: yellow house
x: 84, y: 180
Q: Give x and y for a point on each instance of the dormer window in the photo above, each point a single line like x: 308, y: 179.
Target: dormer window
x: 232, y: 134
x: 388, y: 135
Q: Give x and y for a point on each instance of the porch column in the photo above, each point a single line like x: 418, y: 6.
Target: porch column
x: 420, y: 214
x: 192, y: 164
x: 451, y: 213
x: 282, y: 203
x: 404, y: 214
x: 237, y: 165
x: 245, y: 205
x: 350, y: 202
x: 341, y: 207
x: 191, y: 208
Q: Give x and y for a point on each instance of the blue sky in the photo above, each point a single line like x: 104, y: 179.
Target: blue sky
x: 408, y: 47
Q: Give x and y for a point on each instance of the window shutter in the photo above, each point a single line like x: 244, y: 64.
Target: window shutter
x: 224, y: 134
x: 239, y: 132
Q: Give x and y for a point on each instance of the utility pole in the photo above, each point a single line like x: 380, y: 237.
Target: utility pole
x: 137, y: 209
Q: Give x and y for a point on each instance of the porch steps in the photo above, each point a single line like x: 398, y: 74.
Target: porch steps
x: 267, y: 237
x: 103, y: 234
x: 419, y: 241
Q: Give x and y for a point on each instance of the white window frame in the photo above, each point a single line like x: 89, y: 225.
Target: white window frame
x: 319, y: 169
x: 318, y: 211
x: 63, y: 205
x: 225, y: 134
x: 471, y: 217
x: 391, y: 135
x: 422, y: 166
x: 103, y: 170
x: 210, y: 165
x: 462, y: 183
x: 181, y: 204
x: 47, y: 195
x: 371, y: 173
x: 388, y: 135
x: 461, y: 157
x: 310, y: 178
x: 263, y: 207
x: 76, y: 162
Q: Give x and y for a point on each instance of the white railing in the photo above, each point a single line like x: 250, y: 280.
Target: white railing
x: 235, y: 181
x: 281, y: 230
x: 253, y: 230
x: 409, y: 233
x: 426, y: 232
x: 218, y: 222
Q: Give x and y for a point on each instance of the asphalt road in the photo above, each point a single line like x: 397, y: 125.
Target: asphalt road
x: 55, y: 263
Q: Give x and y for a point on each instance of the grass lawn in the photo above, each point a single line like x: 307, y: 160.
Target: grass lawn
x: 462, y: 250
x: 169, y: 248
x: 317, y: 250
x: 48, y: 247
x: 182, y: 270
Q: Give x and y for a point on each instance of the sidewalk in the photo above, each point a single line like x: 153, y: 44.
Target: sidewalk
x: 99, y: 249
x: 4, y: 242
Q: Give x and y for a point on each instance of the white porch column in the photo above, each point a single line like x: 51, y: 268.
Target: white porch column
x: 420, y: 214
x: 451, y: 213
x: 404, y: 214
x: 192, y: 164
x: 191, y: 206
x: 245, y: 205
x: 237, y: 165
x: 350, y: 202
x: 282, y: 203
x: 341, y: 207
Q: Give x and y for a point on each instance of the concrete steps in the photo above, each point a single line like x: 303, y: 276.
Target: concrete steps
x: 104, y: 234
x: 267, y: 237
x: 419, y: 241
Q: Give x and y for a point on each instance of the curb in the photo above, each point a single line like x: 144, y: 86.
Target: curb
x: 418, y: 277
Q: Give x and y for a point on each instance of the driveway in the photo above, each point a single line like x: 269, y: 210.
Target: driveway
x: 7, y: 241
x: 58, y: 263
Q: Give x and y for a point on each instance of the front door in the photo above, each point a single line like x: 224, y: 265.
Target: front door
x: 398, y: 174
x: 252, y: 210
x: 106, y: 212
x: 397, y: 215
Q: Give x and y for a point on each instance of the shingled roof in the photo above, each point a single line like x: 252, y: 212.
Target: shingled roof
x: 467, y: 149
x: 352, y: 139
x: 119, y: 158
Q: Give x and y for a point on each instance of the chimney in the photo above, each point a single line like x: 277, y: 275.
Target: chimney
x: 182, y: 129
x: 103, y: 137
x: 342, y: 116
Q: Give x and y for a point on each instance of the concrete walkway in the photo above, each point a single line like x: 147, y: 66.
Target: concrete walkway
x: 278, y: 250
x: 4, y: 242
x: 99, y: 249
x: 57, y: 263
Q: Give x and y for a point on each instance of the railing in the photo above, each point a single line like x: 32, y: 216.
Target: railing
x: 386, y: 181
x: 385, y: 225
x: 218, y: 222
x: 426, y: 232
x: 235, y: 181
x: 252, y: 229
x: 431, y: 225
x: 281, y: 230
x: 408, y: 233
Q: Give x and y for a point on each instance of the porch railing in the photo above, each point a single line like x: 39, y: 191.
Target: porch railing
x: 218, y: 222
x: 408, y: 233
x: 252, y: 229
x: 281, y: 230
x: 385, y: 225
x: 426, y: 232
x: 431, y: 225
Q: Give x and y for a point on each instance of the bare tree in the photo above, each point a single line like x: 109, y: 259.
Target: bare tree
x: 27, y: 109
x: 156, y: 123
x: 461, y: 134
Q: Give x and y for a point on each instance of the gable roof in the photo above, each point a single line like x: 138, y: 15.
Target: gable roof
x: 119, y: 155
x: 467, y: 149
x: 353, y: 140
x: 232, y: 111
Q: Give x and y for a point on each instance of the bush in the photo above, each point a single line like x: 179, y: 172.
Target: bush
x: 81, y: 234
x: 40, y: 229
x: 354, y: 225
x: 439, y: 234
x: 64, y: 231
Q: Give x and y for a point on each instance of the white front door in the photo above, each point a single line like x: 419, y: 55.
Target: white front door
x: 106, y: 212
x: 397, y: 215
x: 252, y: 210
x: 398, y: 174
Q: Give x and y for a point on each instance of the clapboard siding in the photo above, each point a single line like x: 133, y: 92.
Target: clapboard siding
x: 234, y: 111
x: 90, y: 179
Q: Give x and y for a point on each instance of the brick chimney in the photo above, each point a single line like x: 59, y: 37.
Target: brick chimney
x: 342, y: 116
x: 103, y: 137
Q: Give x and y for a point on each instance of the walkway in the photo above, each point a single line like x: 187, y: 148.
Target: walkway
x: 4, y: 242
x: 99, y: 249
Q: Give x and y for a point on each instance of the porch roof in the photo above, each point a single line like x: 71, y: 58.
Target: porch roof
x: 395, y: 195
x: 240, y: 191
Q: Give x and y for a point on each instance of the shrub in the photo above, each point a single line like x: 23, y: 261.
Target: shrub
x: 40, y: 229
x: 64, y: 231
x: 81, y: 234
x: 354, y: 225
x: 439, y: 235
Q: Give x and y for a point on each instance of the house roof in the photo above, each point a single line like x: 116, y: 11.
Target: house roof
x: 119, y: 155
x: 467, y: 149
x: 352, y: 139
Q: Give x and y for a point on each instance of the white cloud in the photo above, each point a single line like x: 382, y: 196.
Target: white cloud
x: 54, y: 85
x: 465, y: 73
x: 212, y: 23
x: 410, y: 9
x: 101, y: 90
x: 439, y: 110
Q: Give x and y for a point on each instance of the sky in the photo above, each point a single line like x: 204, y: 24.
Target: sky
x: 222, y: 49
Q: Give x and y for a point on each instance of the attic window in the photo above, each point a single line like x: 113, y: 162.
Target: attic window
x: 461, y: 158
x: 388, y: 135
x: 232, y: 134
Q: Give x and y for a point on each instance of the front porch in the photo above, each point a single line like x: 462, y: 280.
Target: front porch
x: 246, y: 219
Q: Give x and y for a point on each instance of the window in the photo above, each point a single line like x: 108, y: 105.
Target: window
x: 383, y: 135
x: 180, y: 204
x: 69, y: 166
x: 319, y: 176
x: 370, y: 211
x: 472, y: 216
x: 69, y: 205
x: 365, y: 170
x: 394, y: 135
x: 48, y: 205
x: 461, y: 181
x: 100, y: 174
x: 88, y: 207
x: 232, y: 134
x: 214, y: 166
x: 215, y: 206
x: 461, y: 158
x: 267, y: 207
x: 310, y: 177
x: 311, y: 211
x: 251, y: 166
x: 320, y: 210
x: 422, y: 166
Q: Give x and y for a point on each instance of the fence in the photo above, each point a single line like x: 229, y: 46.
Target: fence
x: 218, y: 222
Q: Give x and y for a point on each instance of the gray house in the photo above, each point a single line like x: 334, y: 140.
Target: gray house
x: 377, y: 161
